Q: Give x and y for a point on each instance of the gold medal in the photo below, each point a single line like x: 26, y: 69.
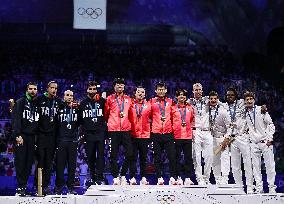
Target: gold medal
x: 163, y: 118
x: 121, y: 114
x: 183, y: 124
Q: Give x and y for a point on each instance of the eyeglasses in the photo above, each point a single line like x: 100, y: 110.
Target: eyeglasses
x: 92, y: 88
x: 69, y: 95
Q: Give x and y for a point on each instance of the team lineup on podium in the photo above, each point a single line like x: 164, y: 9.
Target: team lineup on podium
x: 225, y: 134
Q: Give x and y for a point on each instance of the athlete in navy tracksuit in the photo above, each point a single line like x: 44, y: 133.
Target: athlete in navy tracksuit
x: 94, y: 129
x: 67, y: 142
x: 25, y: 117
x: 48, y: 105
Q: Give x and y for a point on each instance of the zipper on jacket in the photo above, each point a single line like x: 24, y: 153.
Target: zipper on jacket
x: 120, y: 123
x: 162, y: 127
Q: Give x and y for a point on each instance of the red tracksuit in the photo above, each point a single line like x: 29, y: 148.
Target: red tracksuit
x: 180, y: 131
x: 158, y: 126
x: 139, y: 116
x: 140, y: 125
x: 183, y: 120
x: 117, y: 117
x: 112, y: 113
x: 162, y: 136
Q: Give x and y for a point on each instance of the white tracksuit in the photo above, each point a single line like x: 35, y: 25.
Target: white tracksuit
x: 203, y: 141
x: 221, y: 128
x: 261, y: 130
x: 240, y: 147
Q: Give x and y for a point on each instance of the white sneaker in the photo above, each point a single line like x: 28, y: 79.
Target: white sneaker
x: 259, y: 189
x: 218, y: 180
x: 133, y: 181
x: 201, y: 182
x: 116, y: 181
x: 179, y: 181
x: 250, y: 190
x: 144, y: 181
x: 206, y: 180
x: 123, y: 181
x: 224, y: 180
x: 187, y: 182
x: 272, y: 190
x: 160, y: 181
x: 172, y: 181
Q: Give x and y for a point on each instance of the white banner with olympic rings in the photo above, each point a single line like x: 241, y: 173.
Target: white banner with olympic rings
x: 90, y: 14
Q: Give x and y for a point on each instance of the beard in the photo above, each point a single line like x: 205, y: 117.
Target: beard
x: 230, y: 100
x: 32, y: 95
x: 91, y: 95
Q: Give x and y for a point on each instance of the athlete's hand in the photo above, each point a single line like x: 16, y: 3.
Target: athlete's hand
x: 74, y: 104
x: 19, y: 140
x: 263, y: 109
x: 268, y: 143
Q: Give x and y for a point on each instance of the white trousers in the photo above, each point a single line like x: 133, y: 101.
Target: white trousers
x: 221, y: 161
x: 258, y: 149
x: 241, y: 148
x: 193, y: 154
x: 203, y: 146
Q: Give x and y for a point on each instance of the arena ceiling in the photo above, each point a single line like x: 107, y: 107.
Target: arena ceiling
x: 241, y: 24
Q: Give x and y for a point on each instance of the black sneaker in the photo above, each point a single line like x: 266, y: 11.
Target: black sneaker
x: 21, y: 192
x: 100, y: 182
x: 58, y: 190
x: 89, y: 183
x: 47, y: 191
x: 71, y: 191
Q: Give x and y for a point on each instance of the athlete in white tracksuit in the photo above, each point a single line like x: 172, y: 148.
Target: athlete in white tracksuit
x: 202, y: 138
x: 240, y: 147
x: 261, y: 130
x: 220, y: 124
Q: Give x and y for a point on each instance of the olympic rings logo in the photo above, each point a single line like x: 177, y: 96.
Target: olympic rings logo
x: 90, y: 12
x: 166, y: 198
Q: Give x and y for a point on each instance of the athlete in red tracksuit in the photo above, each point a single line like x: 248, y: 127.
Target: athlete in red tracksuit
x: 183, y: 120
x: 162, y: 132
x: 116, y: 112
x: 139, y: 116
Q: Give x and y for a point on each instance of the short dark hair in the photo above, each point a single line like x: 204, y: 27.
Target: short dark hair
x: 181, y: 91
x: 160, y: 84
x: 233, y: 90
x: 118, y: 81
x: 213, y: 93
x: 31, y: 83
x: 139, y: 87
x: 249, y: 94
x: 92, y: 83
x: 51, y: 82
